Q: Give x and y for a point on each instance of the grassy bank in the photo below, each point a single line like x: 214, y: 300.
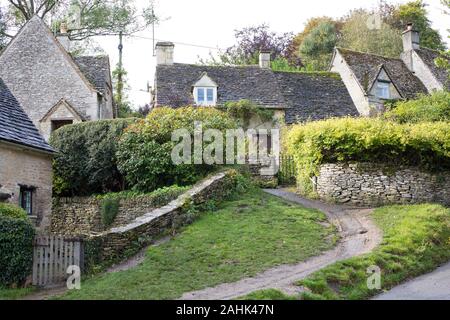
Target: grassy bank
x: 416, y: 240
x: 241, y: 238
x: 13, y: 294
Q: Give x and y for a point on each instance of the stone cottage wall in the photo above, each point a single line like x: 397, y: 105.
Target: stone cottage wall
x: 118, y: 243
x: 378, y: 184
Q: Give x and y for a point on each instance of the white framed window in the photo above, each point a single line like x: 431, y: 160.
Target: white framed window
x: 383, y: 90
x: 205, y: 96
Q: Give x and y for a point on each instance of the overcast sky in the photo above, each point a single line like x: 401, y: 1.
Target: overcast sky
x: 212, y: 24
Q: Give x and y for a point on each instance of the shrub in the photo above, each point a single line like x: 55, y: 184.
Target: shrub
x: 434, y: 107
x: 86, y: 160
x: 144, y: 152
x: 110, y: 208
x: 16, y: 249
x: 12, y: 211
x: 424, y: 144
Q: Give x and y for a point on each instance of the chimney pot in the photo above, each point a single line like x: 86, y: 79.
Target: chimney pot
x: 264, y: 59
x: 164, y: 53
x: 411, y: 38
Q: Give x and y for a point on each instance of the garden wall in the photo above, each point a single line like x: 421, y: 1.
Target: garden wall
x: 118, y: 243
x: 379, y: 184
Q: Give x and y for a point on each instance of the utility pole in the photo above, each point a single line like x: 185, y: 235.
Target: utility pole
x: 120, y: 73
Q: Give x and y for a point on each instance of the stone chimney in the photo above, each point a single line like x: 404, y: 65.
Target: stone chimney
x: 164, y: 53
x: 63, y: 37
x: 411, y: 38
x: 264, y: 59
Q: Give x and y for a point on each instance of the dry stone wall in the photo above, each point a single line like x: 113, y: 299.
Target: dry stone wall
x: 379, y: 184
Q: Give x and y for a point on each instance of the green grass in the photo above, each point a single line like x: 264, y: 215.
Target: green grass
x: 269, y: 294
x: 241, y: 238
x: 14, y: 294
x: 416, y: 240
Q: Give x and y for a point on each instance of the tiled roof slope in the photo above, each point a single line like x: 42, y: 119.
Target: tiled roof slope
x: 366, y: 67
x: 174, y: 84
x: 429, y: 56
x: 314, y: 96
x: 15, y: 126
x: 306, y: 96
x: 96, y: 69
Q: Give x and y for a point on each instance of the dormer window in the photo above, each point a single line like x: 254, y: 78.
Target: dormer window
x: 383, y: 90
x: 205, y: 91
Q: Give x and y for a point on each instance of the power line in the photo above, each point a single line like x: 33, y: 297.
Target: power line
x: 180, y: 43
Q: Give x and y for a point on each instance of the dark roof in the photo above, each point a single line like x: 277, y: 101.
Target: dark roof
x: 314, y: 96
x: 366, y: 68
x: 96, y: 69
x: 174, y: 84
x: 15, y: 126
x: 429, y: 56
x: 308, y: 96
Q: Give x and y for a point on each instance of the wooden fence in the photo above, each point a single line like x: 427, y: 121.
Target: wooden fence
x: 288, y: 170
x: 52, y: 256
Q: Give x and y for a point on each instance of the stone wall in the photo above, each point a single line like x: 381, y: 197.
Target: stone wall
x: 377, y: 184
x: 80, y: 216
x: 22, y: 166
x: 118, y: 243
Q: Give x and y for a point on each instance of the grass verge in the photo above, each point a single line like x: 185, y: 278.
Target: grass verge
x: 14, y: 294
x: 416, y: 240
x: 239, y: 239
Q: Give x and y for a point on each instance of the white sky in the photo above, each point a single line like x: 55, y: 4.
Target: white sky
x: 212, y: 23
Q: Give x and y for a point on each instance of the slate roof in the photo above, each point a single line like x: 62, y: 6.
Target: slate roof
x: 305, y: 96
x: 429, y: 56
x: 366, y: 68
x: 15, y: 126
x: 314, y: 96
x: 96, y: 69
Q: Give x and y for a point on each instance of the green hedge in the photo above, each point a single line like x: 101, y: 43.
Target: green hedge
x: 86, y: 160
x: 16, y: 245
x: 425, y: 144
x: 144, y: 152
x: 434, y: 107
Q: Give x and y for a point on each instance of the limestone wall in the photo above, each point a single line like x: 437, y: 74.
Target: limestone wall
x: 378, y: 184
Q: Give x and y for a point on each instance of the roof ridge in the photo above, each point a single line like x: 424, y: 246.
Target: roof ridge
x: 368, y: 53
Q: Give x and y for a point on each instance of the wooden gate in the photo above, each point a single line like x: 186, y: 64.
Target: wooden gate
x: 52, y: 256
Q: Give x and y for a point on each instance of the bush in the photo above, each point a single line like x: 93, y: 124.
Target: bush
x: 434, y: 107
x: 144, y: 152
x: 16, y: 249
x: 426, y: 144
x: 12, y: 211
x: 86, y: 160
x: 110, y: 208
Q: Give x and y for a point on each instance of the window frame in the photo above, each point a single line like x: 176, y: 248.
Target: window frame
x: 25, y: 190
x: 385, y: 86
x: 205, y: 95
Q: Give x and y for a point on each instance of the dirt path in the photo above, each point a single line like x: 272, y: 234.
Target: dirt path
x: 359, y: 235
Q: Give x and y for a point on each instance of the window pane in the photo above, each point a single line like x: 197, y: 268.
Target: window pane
x: 383, y: 90
x: 200, y: 94
x: 26, y: 201
x: 210, y: 95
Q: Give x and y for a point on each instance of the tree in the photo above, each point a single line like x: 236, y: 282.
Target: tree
x: 121, y: 99
x: 3, y: 38
x: 378, y: 38
x: 249, y: 43
x: 415, y: 12
x: 86, y: 18
x: 318, y: 45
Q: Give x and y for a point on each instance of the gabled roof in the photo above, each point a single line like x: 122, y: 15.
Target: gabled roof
x: 97, y: 70
x: 15, y: 126
x: 429, y: 57
x: 305, y: 96
x: 68, y: 106
x: 366, y: 68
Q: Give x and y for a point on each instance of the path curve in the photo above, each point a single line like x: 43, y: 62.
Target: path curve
x: 359, y: 235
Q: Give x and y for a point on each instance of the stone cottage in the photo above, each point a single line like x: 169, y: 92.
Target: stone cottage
x: 372, y: 80
x: 53, y: 87
x: 293, y: 96
x: 25, y: 161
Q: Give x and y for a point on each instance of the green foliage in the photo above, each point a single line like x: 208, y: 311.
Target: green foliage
x: 318, y: 45
x: 16, y: 250
x: 110, y: 209
x: 245, y: 110
x: 86, y: 160
x: 434, y: 107
x: 367, y: 140
x: 12, y: 211
x: 144, y: 153
x: 415, y: 241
